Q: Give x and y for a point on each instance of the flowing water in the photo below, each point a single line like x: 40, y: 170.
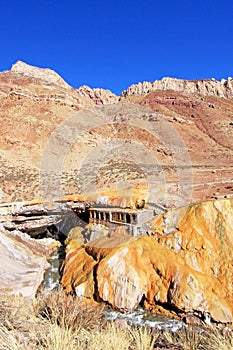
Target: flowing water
x: 138, y: 317
x: 52, y: 275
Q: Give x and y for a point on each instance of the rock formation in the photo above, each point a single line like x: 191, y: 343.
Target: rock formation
x: 185, y: 266
x: 97, y: 95
x: 23, y: 262
x: 35, y: 217
x: 206, y: 87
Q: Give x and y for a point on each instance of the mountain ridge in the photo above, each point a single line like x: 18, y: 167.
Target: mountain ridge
x: 206, y: 87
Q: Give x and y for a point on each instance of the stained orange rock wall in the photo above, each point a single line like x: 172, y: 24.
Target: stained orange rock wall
x: 203, y: 237
x: 186, y: 264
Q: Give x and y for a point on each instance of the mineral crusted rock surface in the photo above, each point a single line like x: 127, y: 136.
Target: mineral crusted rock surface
x: 186, y: 265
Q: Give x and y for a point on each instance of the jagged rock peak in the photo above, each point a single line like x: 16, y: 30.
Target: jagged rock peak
x: 45, y: 74
x: 98, y: 95
x: 206, y: 87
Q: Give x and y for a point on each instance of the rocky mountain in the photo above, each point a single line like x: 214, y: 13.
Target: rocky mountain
x: 184, y: 127
x: 45, y: 85
x: 33, y: 102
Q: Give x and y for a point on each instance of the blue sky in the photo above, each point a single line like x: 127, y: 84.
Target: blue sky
x: 112, y: 44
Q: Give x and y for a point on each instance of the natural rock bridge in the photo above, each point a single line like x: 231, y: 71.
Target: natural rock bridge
x: 35, y: 217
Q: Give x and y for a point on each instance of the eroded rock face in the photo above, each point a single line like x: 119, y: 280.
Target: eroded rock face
x: 22, y: 263
x: 79, y: 277
x: 98, y: 95
x: 207, y: 87
x: 187, y: 264
x: 202, y: 237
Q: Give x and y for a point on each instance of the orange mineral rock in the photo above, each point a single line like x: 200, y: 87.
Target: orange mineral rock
x: 188, y: 265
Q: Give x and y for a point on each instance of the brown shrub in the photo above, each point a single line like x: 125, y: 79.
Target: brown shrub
x: 68, y: 311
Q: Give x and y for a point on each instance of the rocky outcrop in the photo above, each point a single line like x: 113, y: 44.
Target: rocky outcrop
x: 23, y: 262
x: 185, y: 266
x: 97, y: 95
x: 207, y: 87
x: 36, y: 216
x: 201, y: 235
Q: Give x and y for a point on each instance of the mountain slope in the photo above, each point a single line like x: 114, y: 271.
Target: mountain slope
x: 174, y: 123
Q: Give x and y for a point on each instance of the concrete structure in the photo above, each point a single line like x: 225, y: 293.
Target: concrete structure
x: 111, y: 217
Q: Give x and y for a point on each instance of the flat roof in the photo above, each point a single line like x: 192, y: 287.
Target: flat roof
x: 118, y: 209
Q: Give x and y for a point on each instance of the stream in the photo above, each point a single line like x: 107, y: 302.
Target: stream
x: 141, y: 317
x: 52, y: 275
x: 138, y: 317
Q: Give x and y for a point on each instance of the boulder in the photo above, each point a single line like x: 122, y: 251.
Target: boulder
x: 78, y: 274
x: 22, y: 263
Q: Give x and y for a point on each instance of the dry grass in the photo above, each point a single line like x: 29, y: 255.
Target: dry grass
x: 68, y: 311
x: 143, y: 338
x: 54, y: 321
x: 58, y: 337
x: 194, y: 338
x: 190, y: 338
x: 57, y: 321
x: 220, y: 341
x: 109, y: 338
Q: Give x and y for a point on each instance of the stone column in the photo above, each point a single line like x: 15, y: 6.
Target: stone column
x: 90, y: 217
x: 131, y: 218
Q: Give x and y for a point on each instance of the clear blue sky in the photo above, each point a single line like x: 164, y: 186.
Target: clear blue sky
x: 112, y: 44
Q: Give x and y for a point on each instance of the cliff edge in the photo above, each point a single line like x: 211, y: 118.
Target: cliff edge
x: 206, y: 87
